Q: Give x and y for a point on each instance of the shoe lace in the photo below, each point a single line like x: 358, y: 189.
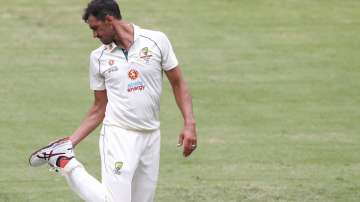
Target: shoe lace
x: 47, y: 156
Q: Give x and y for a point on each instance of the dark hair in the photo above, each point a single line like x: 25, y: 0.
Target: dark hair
x: 101, y: 8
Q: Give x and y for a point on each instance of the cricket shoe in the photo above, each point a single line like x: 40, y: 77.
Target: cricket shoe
x: 53, y: 154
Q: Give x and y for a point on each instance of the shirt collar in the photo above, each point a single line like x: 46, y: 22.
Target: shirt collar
x: 137, y: 30
x: 111, y: 47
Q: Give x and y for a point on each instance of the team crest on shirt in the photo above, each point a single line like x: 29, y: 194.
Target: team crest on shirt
x: 135, y: 82
x: 145, y: 54
x: 118, y: 166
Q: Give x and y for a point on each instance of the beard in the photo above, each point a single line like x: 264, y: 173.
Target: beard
x: 106, y: 42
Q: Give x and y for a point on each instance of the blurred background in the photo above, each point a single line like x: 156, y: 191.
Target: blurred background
x: 275, y: 88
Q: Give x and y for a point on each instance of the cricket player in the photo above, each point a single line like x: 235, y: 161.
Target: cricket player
x: 126, y: 74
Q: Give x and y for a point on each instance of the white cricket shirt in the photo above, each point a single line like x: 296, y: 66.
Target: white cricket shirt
x: 133, y: 81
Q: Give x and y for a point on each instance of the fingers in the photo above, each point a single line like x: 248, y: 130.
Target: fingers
x: 188, y: 140
x: 189, y: 146
x: 194, y: 143
x: 180, y: 141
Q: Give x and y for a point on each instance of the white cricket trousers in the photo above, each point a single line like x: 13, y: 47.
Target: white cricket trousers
x: 129, y: 168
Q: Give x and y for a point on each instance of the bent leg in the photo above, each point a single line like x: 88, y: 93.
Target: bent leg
x: 83, y: 184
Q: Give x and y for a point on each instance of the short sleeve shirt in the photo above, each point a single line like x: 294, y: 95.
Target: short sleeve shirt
x: 133, y: 79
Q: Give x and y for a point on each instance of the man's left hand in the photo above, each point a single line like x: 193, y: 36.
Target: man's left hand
x: 188, y: 140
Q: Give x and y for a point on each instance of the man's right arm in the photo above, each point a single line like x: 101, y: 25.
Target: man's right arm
x: 93, y: 118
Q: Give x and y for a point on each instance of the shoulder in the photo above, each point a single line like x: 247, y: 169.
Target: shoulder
x: 95, y: 54
x: 157, y: 37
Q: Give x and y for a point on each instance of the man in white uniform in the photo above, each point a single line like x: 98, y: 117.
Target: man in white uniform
x: 126, y: 75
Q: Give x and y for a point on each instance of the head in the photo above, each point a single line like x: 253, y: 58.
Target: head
x: 97, y: 15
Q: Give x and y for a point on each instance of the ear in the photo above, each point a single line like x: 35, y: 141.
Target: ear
x: 109, y: 19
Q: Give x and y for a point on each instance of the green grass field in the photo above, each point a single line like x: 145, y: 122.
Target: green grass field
x: 275, y: 84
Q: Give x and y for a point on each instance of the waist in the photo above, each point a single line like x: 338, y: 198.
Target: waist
x: 129, y: 130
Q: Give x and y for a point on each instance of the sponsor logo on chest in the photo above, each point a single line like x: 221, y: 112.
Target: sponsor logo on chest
x: 136, y: 83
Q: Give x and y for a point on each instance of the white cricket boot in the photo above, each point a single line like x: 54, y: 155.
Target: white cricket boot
x: 52, y: 153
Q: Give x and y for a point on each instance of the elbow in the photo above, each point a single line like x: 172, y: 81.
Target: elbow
x: 98, y: 112
x: 178, y: 84
x: 101, y: 113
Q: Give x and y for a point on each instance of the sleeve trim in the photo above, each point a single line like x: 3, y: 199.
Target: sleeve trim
x: 102, y: 52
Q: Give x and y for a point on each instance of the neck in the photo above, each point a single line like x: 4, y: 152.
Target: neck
x: 124, y: 36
